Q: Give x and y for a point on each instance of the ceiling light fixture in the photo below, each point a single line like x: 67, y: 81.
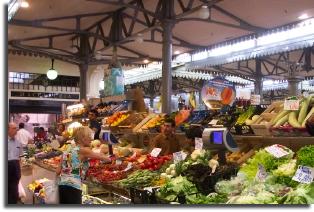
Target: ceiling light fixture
x: 145, y: 61
x: 303, y: 16
x: 24, y: 4
x: 177, y: 52
x: 203, y: 13
x: 139, y: 38
x: 52, y: 73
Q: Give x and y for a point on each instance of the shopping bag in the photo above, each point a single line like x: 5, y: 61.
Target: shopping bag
x: 22, y: 193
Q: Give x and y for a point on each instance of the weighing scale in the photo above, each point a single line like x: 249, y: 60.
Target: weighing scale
x: 219, y: 139
x: 109, y: 138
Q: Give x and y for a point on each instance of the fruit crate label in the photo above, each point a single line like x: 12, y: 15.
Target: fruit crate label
x: 304, y: 174
x: 261, y: 173
x: 291, y: 105
x: 155, y: 152
x: 179, y: 156
x: 199, y: 143
x: 118, y: 162
x: 128, y: 167
x: 276, y: 151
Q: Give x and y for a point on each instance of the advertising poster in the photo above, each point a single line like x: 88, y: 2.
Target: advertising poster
x: 114, y: 82
x: 218, y: 92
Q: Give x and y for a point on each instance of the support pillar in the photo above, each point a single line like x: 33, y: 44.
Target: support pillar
x: 293, y: 83
x: 83, y: 87
x: 167, y: 26
x: 258, y: 85
x: 151, y: 101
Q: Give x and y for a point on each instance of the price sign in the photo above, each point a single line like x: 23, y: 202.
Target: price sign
x: 304, y: 174
x: 276, y: 151
x: 291, y: 105
x: 128, y: 167
x: 155, y: 152
x: 255, y: 99
x: 261, y: 173
x: 199, y: 143
x: 213, y: 122
x: 179, y: 156
x: 118, y: 162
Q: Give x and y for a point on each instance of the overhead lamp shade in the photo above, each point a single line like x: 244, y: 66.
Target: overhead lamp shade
x: 52, y: 74
x: 203, y: 13
x: 139, y: 38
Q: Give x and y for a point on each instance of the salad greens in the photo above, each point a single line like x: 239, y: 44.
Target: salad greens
x: 305, y: 156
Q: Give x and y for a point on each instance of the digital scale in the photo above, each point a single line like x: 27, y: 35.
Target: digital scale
x: 107, y: 137
x: 219, y: 139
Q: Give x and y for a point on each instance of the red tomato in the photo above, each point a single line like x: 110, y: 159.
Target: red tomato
x: 155, y: 167
x: 151, y: 169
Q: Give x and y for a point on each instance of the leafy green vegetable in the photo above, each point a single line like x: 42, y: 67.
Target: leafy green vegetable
x: 176, y: 186
x: 303, y: 194
x: 305, y: 156
x: 212, y: 198
x: 266, y: 159
x: 139, y: 179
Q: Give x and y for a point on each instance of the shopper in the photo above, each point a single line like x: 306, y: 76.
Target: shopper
x: 94, y: 124
x: 74, y: 165
x: 23, y: 135
x: 15, y: 149
x: 166, y: 140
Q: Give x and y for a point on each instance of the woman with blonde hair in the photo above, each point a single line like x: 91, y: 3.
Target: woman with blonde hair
x: 74, y: 164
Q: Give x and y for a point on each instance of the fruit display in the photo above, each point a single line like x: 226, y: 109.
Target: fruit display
x: 105, y: 109
x: 47, y: 155
x: 117, y: 118
x: 38, y: 188
x: 155, y: 163
x: 182, y: 116
x: 76, y: 110
x: 155, y: 121
x: 293, y: 122
x: 53, y: 162
x: 132, y: 120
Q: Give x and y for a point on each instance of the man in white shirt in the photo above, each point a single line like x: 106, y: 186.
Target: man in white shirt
x: 23, y: 135
x: 15, y: 150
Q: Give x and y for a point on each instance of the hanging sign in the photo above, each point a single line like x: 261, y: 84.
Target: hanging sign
x: 218, y: 92
x: 304, y: 174
x: 113, y: 82
x: 155, y: 152
x: 255, y: 99
x: 276, y: 151
x: 199, y: 143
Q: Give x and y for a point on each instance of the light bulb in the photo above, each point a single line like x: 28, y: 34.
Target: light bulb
x: 145, y: 61
x: 139, y: 38
x: 24, y: 4
x: 52, y: 74
x: 203, y: 13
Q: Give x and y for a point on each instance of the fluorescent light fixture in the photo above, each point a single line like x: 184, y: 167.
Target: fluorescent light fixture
x: 24, y: 4
x: 303, y: 16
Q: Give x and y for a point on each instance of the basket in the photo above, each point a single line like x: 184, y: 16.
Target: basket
x: 289, y: 132
x: 261, y: 129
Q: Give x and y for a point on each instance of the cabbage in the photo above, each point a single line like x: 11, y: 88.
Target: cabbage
x: 286, y: 169
x: 303, y: 194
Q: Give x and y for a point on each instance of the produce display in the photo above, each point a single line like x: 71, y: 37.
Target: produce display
x: 116, y: 118
x: 38, y: 187
x: 139, y: 179
x: 53, y: 162
x: 154, y: 122
x: 104, y: 109
x: 155, y: 163
x: 132, y: 120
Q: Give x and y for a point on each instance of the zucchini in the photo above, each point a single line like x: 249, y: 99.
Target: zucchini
x: 279, y: 116
x: 308, y: 116
x: 303, y: 110
x: 282, y: 120
x: 293, y: 119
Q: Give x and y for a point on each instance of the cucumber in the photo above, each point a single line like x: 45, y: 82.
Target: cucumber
x: 308, y: 116
x: 279, y: 116
x: 303, y: 110
x: 282, y: 120
x: 293, y: 119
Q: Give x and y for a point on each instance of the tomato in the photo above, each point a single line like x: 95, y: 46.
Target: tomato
x: 151, y: 169
x: 155, y: 167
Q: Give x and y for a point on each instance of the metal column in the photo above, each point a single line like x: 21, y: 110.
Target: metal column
x: 293, y: 83
x: 258, y: 85
x: 167, y: 26
x: 84, y: 52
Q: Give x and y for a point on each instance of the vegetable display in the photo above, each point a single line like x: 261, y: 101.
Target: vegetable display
x: 139, y: 179
x: 155, y: 163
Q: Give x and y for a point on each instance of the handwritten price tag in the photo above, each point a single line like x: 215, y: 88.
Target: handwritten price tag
x: 128, y: 167
x: 261, y: 173
x: 155, y: 152
x: 179, y: 156
x: 118, y: 162
x: 213, y: 122
x: 304, y: 174
x: 291, y: 105
x: 198, y: 143
x: 276, y: 151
